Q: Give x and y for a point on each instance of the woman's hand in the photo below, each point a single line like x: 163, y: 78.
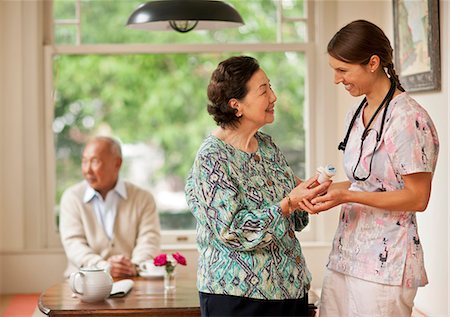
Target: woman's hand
x: 303, y: 192
x: 316, y: 205
x: 335, y: 195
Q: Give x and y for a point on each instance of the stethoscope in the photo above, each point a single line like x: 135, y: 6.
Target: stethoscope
x: 387, y: 99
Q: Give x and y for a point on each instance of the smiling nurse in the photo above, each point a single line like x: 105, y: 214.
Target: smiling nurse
x: 390, y: 153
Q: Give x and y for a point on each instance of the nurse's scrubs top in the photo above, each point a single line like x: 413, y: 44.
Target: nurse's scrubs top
x: 374, y: 244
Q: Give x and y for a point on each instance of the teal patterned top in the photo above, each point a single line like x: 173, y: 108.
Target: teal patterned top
x: 247, y: 247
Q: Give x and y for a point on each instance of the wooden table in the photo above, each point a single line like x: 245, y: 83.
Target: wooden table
x: 147, y: 298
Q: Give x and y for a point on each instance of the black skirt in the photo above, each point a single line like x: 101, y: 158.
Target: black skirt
x: 212, y: 305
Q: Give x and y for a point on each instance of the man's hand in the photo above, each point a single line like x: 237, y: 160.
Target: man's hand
x: 121, y: 266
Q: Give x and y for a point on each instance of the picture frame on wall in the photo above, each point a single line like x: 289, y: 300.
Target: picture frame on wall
x: 417, y: 44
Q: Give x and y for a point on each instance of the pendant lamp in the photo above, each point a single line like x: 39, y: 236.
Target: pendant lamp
x: 184, y: 15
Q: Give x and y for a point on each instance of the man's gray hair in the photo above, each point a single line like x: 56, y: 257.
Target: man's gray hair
x: 114, y: 144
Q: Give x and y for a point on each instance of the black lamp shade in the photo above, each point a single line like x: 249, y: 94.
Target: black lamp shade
x: 184, y: 15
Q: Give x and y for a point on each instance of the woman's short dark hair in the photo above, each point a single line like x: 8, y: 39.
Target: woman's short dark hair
x: 358, y: 41
x: 229, y: 80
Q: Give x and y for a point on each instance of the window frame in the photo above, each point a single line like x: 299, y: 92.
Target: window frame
x: 170, y: 238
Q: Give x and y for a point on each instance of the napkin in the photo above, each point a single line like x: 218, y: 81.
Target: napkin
x: 121, y: 288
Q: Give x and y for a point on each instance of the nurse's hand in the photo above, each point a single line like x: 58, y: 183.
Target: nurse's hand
x: 335, y: 196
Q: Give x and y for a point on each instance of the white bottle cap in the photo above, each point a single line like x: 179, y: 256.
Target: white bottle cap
x: 325, y: 173
x: 330, y: 170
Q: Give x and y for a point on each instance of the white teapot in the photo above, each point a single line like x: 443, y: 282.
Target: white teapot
x: 91, y: 284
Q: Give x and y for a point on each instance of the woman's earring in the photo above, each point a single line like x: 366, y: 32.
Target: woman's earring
x: 238, y: 115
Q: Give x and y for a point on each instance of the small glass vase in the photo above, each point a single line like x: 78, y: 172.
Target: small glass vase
x: 169, y: 281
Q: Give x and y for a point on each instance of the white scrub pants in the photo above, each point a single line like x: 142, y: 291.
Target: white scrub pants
x: 346, y: 296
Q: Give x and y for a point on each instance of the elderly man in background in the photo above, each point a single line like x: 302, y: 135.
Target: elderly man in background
x: 107, y: 222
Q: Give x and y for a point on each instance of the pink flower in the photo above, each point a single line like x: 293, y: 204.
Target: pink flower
x: 160, y: 260
x: 179, y: 258
x: 169, y: 261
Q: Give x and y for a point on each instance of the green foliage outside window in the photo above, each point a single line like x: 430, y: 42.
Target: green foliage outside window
x: 103, y: 21
x: 159, y: 100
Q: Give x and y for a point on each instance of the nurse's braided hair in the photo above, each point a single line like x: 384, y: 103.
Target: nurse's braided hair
x: 356, y: 42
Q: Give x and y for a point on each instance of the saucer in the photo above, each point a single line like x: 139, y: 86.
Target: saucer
x: 152, y: 275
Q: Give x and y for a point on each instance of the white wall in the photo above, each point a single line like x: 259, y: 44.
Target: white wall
x: 434, y: 223
x: 23, y: 251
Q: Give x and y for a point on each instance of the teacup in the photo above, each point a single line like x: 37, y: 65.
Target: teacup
x: 91, y: 284
x: 148, y: 268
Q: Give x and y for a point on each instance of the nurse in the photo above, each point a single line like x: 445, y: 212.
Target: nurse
x: 390, y: 153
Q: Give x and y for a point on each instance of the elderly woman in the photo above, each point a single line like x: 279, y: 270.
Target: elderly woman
x: 242, y: 193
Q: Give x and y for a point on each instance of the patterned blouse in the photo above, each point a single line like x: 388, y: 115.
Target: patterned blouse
x: 379, y: 245
x: 247, y: 247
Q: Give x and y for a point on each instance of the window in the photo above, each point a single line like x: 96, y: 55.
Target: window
x: 152, y: 96
x: 79, y: 22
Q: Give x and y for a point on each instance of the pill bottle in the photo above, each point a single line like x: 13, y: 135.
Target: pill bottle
x: 325, y: 173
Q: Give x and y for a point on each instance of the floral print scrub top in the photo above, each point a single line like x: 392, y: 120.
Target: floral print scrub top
x: 247, y: 247
x: 380, y: 245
